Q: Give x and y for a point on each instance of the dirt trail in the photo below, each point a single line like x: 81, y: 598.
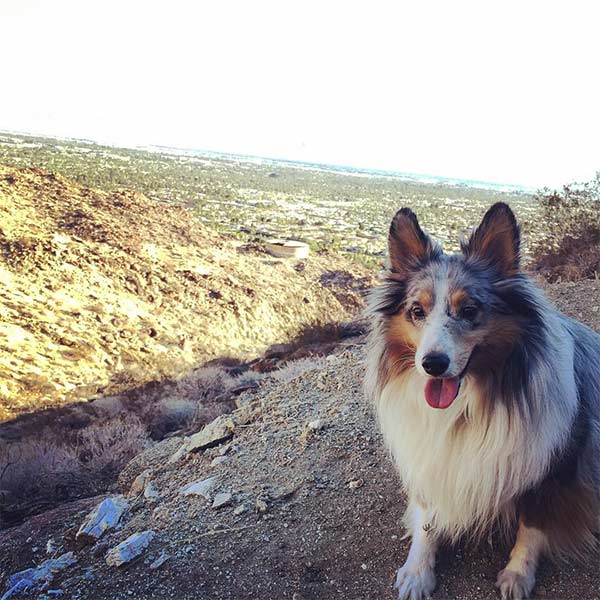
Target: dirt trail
x: 321, y: 506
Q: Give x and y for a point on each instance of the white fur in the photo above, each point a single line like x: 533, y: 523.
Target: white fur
x: 416, y: 578
x: 437, y: 337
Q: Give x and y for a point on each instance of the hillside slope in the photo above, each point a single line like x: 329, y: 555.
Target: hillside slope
x: 104, y: 292
x: 314, y: 511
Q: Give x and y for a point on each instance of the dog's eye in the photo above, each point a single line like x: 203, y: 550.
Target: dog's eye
x: 417, y: 312
x: 468, y: 312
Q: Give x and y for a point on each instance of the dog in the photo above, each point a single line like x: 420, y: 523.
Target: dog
x: 488, y: 399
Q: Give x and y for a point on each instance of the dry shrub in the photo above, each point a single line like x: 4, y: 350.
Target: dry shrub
x: 77, y: 451
x: 196, y: 399
x: 569, y: 245
x: 58, y: 465
x: 296, y: 368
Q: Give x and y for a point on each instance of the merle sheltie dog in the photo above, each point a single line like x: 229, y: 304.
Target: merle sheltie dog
x: 488, y: 399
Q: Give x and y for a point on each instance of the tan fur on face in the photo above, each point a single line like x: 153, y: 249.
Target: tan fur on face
x: 458, y: 299
x: 496, y: 240
x: 401, y: 342
x: 425, y: 299
x: 401, y: 332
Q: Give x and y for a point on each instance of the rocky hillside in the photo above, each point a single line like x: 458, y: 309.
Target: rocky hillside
x: 286, y: 494
x: 291, y: 496
x: 103, y: 292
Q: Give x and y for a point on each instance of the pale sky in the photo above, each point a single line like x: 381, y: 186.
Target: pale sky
x: 505, y: 91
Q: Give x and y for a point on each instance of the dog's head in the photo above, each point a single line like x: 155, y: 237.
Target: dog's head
x: 451, y: 315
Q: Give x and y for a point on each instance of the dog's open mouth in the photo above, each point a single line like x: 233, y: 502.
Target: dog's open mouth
x: 441, y: 393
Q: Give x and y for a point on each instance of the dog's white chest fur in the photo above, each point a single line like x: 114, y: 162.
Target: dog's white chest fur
x: 465, y: 466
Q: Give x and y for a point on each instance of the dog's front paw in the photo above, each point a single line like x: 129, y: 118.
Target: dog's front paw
x: 515, y: 586
x: 414, y: 584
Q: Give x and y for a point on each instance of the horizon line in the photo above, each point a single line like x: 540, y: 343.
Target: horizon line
x: 310, y: 163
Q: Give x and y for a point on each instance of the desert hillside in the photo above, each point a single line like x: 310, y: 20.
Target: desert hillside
x: 102, y: 292
x: 291, y: 496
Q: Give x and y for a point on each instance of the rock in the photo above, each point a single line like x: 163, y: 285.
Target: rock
x: 222, y: 499
x: 129, y: 549
x: 239, y: 510
x: 261, y: 505
x: 158, y: 562
x: 150, y: 492
x: 105, y: 516
x: 354, y: 484
x: 219, y: 460
x: 38, y: 576
x: 287, y: 249
x: 217, y: 431
x: 200, y: 488
x: 137, y: 487
x: 282, y: 493
x: 151, y: 458
x: 315, y: 425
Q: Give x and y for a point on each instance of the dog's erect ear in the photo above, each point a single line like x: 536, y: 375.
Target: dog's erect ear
x: 408, y: 245
x: 497, y: 240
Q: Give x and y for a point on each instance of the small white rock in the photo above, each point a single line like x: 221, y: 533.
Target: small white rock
x: 200, y: 488
x: 150, y: 492
x: 129, y: 549
x: 105, y: 516
x: 222, y: 499
x: 316, y: 425
x: 22, y: 580
x: 158, y: 562
x: 217, y: 431
x: 219, y: 460
x: 241, y: 509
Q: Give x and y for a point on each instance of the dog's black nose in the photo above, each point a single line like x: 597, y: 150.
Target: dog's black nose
x: 435, y: 364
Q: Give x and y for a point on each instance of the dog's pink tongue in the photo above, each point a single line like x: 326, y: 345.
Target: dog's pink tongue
x: 440, y: 393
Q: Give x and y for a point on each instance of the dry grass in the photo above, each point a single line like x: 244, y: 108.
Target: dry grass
x: 56, y: 465
x: 296, y: 368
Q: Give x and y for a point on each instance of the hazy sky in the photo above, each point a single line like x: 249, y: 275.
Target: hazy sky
x: 501, y: 91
